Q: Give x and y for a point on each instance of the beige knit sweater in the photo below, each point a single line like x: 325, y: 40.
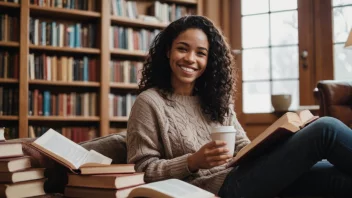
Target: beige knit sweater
x: 162, y: 134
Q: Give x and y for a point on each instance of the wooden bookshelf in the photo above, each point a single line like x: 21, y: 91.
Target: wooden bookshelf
x: 136, y: 23
x: 185, y: 2
x: 9, y: 44
x: 65, y: 49
x: 102, y: 19
x: 119, y: 119
x: 123, y: 52
x: 5, y: 117
x: 63, y: 83
x: 9, y: 5
x: 65, y: 118
x: 59, y: 12
x: 117, y: 85
x: 8, y: 80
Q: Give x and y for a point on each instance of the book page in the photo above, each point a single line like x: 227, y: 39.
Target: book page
x: 178, y: 188
x: 63, y: 147
x: 306, y: 117
x: 96, y: 159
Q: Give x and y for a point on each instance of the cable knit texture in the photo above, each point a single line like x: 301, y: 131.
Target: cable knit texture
x: 161, y: 134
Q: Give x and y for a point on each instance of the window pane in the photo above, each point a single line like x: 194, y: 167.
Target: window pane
x: 341, y: 2
x: 255, y: 64
x: 255, y: 31
x: 277, y: 5
x: 342, y: 62
x: 256, y: 97
x: 288, y: 87
x: 261, y: 6
x: 284, y: 62
x: 284, y: 28
x: 342, y: 23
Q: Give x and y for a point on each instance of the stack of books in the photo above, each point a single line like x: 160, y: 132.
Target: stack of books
x: 17, y: 177
x: 115, y: 180
x: 92, y: 174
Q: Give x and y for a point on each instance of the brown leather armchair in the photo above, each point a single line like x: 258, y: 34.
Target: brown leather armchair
x: 335, y: 98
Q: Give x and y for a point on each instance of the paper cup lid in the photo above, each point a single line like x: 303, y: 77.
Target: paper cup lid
x: 223, y: 129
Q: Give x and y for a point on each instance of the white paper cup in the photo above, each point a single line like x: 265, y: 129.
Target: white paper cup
x: 227, y: 134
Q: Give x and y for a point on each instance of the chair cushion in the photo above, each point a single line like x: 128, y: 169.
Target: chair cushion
x: 112, y: 146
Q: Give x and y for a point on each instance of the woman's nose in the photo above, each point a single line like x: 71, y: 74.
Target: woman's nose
x: 190, y: 57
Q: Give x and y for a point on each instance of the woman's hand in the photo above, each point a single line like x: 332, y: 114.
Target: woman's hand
x: 210, y: 155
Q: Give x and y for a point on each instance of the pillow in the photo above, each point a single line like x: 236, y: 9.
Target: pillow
x: 112, y: 146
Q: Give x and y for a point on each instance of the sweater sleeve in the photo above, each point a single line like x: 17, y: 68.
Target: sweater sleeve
x: 241, y: 137
x: 145, y: 146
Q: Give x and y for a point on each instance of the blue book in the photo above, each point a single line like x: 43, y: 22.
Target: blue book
x: 77, y: 35
x: 85, y: 68
x: 46, y: 101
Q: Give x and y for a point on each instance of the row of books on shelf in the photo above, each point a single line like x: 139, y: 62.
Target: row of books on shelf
x: 9, y: 64
x: 120, y: 105
x: 125, y: 71
x: 89, y: 5
x: 9, y: 28
x: 58, y: 34
x: 45, y: 103
x: 76, y: 134
x: 62, y: 68
x: 8, y: 133
x: 8, y: 101
x: 131, y: 39
x: 170, y: 12
x: 157, y: 12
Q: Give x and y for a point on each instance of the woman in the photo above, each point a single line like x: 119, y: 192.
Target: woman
x: 186, y: 87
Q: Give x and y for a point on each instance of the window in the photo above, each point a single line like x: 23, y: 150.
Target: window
x: 342, y: 24
x: 270, y: 47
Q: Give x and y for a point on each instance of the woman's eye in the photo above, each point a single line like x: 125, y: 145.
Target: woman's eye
x: 181, y: 49
x: 201, y: 54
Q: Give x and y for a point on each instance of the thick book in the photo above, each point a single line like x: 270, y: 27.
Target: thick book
x: 21, y: 176
x: 108, y: 181
x: 108, y: 169
x: 10, y: 149
x: 281, y: 129
x: 23, y: 189
x: 170, y: 188
x: 97, y: 192
x: 69, y: 153
x: 14, y: 164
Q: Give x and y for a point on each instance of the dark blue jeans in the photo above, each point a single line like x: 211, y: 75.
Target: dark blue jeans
x: 297, y: 166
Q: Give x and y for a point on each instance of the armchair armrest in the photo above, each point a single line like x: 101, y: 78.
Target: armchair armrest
x: 335, y: 99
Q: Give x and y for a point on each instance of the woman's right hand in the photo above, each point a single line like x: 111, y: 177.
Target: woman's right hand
x: 210, y: 155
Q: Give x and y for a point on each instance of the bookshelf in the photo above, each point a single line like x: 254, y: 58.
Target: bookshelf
x: 100, y: 15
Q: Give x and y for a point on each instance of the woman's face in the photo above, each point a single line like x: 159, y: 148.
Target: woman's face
x: 188, y: 57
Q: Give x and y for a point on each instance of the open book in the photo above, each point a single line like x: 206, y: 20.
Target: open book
x: 286, y: 125
x: 68, y: 153
x: 169, y: 188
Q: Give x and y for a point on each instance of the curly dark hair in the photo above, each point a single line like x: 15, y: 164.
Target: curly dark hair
x: 214, y: 87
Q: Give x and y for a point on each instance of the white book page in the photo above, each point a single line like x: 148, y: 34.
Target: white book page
x: 178, y: 188
x: 63, y: 147
x: 95, y: 158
